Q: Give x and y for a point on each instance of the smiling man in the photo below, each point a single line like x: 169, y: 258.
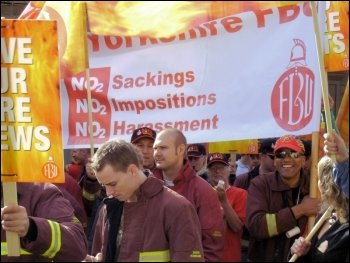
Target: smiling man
x: 278, y: 203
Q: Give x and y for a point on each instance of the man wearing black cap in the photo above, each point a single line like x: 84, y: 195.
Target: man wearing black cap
x: 143, y: 138
x: 197, y: 155
x: 266, y: 156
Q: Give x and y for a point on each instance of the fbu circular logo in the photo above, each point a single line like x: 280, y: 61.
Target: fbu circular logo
x: 293, y: 94
x: 50, y: 169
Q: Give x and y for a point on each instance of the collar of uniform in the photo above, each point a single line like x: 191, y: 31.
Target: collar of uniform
x: 186, y: 173
x: 277, y: 184
x: 151, y: 187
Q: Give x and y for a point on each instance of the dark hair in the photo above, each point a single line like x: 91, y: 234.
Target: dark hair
x: 307, y: 146
x: 267, y: 145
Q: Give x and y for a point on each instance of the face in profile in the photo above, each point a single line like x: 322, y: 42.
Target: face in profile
x: 197, y: 162
x: 80, y: 156
x: 166, y: 154
x: 233, y: 165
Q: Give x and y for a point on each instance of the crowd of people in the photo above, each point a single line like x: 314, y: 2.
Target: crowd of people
x: 158, y: 198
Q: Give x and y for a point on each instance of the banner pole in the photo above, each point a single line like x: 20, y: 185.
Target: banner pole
x: 88, y: 87
x: 313, y: 231
x: 324, y: 81
x: 325, y: 96
x: 12, y: 238
x: 313, y: 173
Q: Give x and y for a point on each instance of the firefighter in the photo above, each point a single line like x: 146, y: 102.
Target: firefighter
x: 45, y: 223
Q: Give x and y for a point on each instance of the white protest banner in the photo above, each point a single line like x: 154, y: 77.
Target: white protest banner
x: 245, y: 76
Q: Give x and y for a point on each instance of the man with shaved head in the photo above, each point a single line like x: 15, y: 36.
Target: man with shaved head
x: 176, y: 172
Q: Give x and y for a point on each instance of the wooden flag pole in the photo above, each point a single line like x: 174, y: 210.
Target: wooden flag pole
x: 313, y: 173
x: 315, y: 136
x: 88, y: 87
x: 313, y: 231
x: 88, y: 90
x: 324, y: 81
x: 12, y: 238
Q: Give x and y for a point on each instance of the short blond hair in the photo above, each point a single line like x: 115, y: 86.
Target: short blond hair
x: 117, y: 153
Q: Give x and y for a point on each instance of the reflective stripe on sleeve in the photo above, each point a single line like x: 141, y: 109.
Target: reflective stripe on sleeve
x: 271, y: 225
x: 4, y: 250
x: 195, y: 254
x: 155, y: 256
x: 88, y: 196
x: 55, y: 245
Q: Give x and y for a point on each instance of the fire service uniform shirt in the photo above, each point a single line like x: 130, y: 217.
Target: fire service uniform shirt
x: 59, y: 234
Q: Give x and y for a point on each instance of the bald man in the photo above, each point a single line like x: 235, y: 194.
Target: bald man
x: 177, y: 173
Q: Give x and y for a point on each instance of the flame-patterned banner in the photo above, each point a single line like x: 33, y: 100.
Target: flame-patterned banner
x: 165, y: 19
x: 336, y: 38
x: 31, y: 134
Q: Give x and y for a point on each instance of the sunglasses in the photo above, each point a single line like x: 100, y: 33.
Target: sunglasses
x: 272, y: 156
x: 284, y: 154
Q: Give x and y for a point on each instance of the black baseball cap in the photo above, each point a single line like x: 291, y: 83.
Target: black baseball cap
x: 143, y: 132
x: 196, y: 150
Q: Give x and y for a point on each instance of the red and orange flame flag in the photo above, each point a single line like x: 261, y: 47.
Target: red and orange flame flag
x: 336, y: 39
x: 71, y: 23
x: 164, y: 19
